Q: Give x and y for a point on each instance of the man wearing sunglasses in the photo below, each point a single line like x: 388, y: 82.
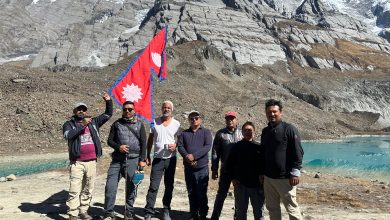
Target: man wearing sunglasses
x: 194, y: 145
x: 128, y: 139
x: 224, y: 140
x: 82, y: 133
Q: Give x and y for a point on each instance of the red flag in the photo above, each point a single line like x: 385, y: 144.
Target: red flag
x: 136, y: 83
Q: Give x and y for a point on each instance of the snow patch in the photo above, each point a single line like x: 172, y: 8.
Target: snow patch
x: 139, y: 16
x: 117, y: 1
x: 20, y: 58
x: 36, y: 1
x: 338, y: 5
x: 384, y: 3
x: 94, y: 60
x: 103, y: 19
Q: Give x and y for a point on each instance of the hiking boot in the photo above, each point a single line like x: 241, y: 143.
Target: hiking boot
x: 85, y: 216
x: 129, y: 216
x: 109, y: 216
x: 194, y: 216
x: 202, y: 217
x: 166, y: 214
x: 148, y: 217
x: 71, y: 217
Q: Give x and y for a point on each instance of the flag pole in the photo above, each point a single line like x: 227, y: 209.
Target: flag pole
x: 126, y: 186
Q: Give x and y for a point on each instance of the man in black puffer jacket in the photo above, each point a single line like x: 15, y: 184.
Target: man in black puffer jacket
x: 128, y: 139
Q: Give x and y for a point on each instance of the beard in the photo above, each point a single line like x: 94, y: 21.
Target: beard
x: 167, y: 114
x: 79, y: 117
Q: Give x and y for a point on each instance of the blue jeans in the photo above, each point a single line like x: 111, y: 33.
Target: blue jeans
x: 197, y: 181
x: 160, y: 167
x: 223, y: 188
x: 242, y: 194
x: 115, y: 173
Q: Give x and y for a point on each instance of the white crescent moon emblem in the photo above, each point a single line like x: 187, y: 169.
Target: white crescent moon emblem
x: 156, y: 59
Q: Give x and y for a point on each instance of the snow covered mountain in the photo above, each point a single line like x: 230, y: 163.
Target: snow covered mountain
x: 97, y: 33
x: 375, y: 13
x: 306, y: 41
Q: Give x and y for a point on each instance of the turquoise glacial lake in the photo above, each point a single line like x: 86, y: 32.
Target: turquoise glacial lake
x: 30, y: 167
x: 366, y: 157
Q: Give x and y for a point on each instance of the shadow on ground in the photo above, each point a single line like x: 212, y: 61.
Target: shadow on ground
x: 55, y: 207
x: 52, y: 207
x: 139, y: 213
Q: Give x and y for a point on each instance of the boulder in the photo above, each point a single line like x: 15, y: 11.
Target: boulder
x: 11, y: 177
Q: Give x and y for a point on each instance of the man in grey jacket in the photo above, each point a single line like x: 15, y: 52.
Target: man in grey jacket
x: 82, y: 133
x: 223, y: 143
x: 128, y: 138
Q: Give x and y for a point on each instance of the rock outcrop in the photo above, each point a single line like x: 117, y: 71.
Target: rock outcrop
x: 297, y: 36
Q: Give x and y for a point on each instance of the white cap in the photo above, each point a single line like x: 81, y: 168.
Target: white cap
x: 80, y: 104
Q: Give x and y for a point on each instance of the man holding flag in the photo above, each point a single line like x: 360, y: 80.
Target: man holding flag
x: 133, y: 91
x: 128, y: 139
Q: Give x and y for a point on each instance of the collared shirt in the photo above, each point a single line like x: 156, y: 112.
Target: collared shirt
x: 198, y: 144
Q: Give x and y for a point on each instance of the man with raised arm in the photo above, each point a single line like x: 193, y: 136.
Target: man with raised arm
x: 82, y: 133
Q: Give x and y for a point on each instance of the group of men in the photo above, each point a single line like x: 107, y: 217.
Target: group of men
x: 266, y: 172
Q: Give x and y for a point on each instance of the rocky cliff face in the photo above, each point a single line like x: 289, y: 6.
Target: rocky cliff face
x: 302, y: 37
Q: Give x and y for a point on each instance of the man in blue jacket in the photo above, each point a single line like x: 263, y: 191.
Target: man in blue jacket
x: 82, y: 133
x: 194, y: 145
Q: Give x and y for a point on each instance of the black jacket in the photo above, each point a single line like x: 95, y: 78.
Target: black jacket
x: 72, y: 130
x: 244, y: 163
x: 282, y: 150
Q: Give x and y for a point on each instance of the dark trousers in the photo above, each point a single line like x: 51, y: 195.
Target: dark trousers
x: 115, y: 173
x: 160, y: 167
x: 223, y: 188
x: 197, y: 181
x: 242, y: 194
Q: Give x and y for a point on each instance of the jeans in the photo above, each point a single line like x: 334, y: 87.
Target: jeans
x: 197, y: 181
x: 160, y: 167
x: 242, y: 194
x: 82, y: 181
x: 115, y: 173
x: 223, y: 188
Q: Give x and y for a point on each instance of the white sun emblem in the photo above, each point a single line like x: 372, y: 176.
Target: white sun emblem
x: 156, y: 59
x: 132, y: 93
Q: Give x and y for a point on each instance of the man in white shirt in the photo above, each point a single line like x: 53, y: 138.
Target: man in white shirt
x: 163, y: 135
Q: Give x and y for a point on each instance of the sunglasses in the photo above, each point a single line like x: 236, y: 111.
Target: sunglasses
x: 248, y: 130
x: 82, y: 109
x: 128, y: 109
x: 194, y: 118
